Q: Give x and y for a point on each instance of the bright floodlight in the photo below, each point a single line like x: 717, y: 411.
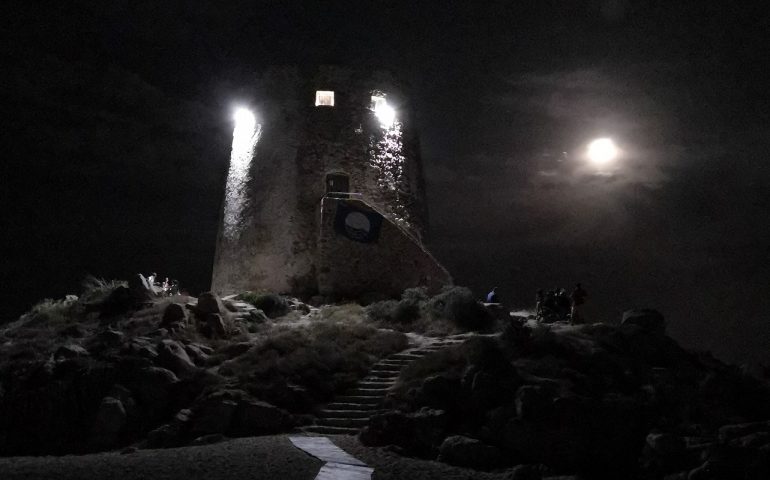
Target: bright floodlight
x: 384, y: 112
x: 244, y: 119
x: 602, y: 151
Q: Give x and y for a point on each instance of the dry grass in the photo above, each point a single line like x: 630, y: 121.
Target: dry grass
x: 454, y: 310
x: 450, y: 361
x: 321, y: 359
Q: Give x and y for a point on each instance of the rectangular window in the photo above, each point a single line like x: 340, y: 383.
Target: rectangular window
x: 324, y: 98
x: 377, y: 102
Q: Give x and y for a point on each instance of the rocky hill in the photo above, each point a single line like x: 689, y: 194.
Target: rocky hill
x: 119, y: 367
x: 595, y: 400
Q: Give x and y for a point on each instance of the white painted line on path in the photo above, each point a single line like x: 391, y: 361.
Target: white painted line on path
x: 340, y: 471
x: 339, y: 465
x: 323, y: 449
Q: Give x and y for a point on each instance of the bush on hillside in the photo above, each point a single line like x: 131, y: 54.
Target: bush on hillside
x: 96, y: 290
x: 458, y: 306
x: 296, y: 368
x: 272, y: 304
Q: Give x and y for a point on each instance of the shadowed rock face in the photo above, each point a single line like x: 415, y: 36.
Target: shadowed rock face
x: 597, y: 400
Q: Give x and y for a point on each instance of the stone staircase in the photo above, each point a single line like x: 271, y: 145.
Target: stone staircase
x: 350, y: 412
x: 243, y: 309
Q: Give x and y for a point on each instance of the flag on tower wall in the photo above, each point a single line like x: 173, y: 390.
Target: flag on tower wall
x: 357, y: 224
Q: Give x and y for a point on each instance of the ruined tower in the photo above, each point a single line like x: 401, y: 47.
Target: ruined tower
x: 325, y: 191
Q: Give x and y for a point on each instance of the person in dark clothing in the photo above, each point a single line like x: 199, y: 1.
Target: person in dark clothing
x: 492, y: 296
x: 577, y: 298
x: 539, y: 301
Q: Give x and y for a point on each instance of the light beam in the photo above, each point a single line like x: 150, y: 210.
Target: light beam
x: 245, y: 137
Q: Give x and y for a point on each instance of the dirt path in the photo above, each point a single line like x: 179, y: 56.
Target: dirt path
x: 257, y: 458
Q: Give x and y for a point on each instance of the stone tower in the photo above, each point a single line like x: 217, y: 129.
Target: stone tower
x: 325, y: 190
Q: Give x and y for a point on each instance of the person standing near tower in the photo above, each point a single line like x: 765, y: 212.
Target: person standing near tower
x: 492, y: 296
x: 577, y: 298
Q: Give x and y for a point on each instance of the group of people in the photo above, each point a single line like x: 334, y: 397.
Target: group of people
x: 165, y: 288
x: 556, y: 305
x: 553, y: 305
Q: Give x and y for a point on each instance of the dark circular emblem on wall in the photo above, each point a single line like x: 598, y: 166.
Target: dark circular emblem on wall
x: 357, y: 224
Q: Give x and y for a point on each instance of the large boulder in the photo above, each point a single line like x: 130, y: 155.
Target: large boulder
x: 728, y: 433
x: 533, y: 402
x: 209, y: 302
x: 109, y: 338
x: 469, y: 452
x: 418, y: 434
x: 172, y: 355
x: 140, y: 287
x: 215, y: 412
x: 141, y: 346
x: 172, y: 434
x: 153, y: 389
x: 174, y: 313
x: 110, y: 420
x: 214, y: 325
x: 438, y: 391
x: 235, y: 349
x: 647, y: 319
x: 70, y: 350
x: 197, y: 354
x: 585, y: 435
x: 254, y: 417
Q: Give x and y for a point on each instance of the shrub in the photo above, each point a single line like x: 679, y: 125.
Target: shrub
x: 320, y: 359
x: 404, y: 311
x: 348, y: 312
x: 96, y: 290
x: 272, y: 304
x: 450, y: 361
x: 415, y: 295
x: 53, y: 313
x: 391, y: 311
x: 457, y: 305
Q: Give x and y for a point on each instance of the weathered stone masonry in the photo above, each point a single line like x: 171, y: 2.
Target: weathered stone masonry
x: 286, y: 243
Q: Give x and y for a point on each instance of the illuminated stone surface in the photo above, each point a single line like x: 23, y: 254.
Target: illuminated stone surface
x: 271, y: 234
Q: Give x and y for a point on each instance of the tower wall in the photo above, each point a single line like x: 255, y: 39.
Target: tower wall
x: 278, y: 248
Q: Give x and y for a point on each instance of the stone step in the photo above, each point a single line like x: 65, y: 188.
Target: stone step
x: 404, y: 356
x: 383, y: 375
x: 392, y: 364
x: 328, y: 413
x: 384, y: 371
x: 343, y: 422
x: 367, y: 400
x: 368, y: 383
x: 324, y: 430
x: 388, y: 367
x: 242, y: 305
x: 379, y: 390
x: 364, y: 407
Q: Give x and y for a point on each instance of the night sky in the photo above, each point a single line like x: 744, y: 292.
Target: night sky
x: 116, y: 132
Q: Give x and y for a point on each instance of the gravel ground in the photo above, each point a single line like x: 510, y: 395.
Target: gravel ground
x: 391, y: 466
x: 244, y: 458
x: 269, y: 457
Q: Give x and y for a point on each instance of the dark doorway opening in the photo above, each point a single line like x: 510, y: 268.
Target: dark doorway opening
x: 337, y: 185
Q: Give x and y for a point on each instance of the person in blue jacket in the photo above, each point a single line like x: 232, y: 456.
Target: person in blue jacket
x: 492, y: 296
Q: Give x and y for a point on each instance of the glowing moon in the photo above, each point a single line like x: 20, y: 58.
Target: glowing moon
x: 602, y: 151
